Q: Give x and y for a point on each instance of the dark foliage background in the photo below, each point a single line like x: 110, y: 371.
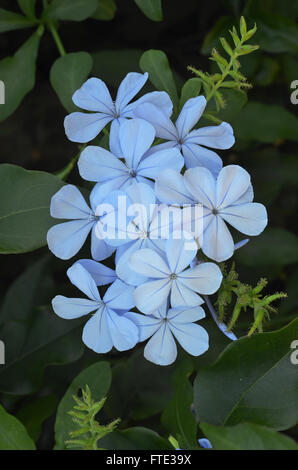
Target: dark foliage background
x: 33, y: 137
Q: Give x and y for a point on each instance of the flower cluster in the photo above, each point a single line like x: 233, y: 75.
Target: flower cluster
x: 157, y: 206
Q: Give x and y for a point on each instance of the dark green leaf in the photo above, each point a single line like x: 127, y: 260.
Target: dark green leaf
x: 274, y: 123
x: 27, y: 7
x: 18, y: 75
x: 98, y: 378
x: 274, y: 247
x: 137, y: 438
x: 67, y: 74
x: 151, y: 8
x: 34, y: 412
x: 177, y: 417
x: 10, y: 21
x: 253, y: 381
x: 25, y: 214
x: 157, y: 65
x: 105, y: 11
x: 73, y: 10
x: 43, y: 341
x: 190, y: 89
x: 247, y: 437
x: 112, y: 65
x: 13, y: 435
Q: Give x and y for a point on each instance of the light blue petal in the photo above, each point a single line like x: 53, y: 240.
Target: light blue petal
x: 65, y: 240
x: 69, y: 309
x: 250, y: 219
x: 101, y: 274
x: 97, y: 164
x: 100, y: 250
x: 205, y: 443
x: 232, y: 182
x: 119, y: 296
x: 193, y: 338
x: 96, y: 333
x: 161, y: 349
x: 164, y: 146
x: 114, y: 140
x: 84, y: 127
x: 94, y: 96
x: 128, y: 89
x: 246, y: 197
x: 190, y: 114
x: 150, y: 264
x: 218, y: 243
x: 143, y: 200
x: 100, y: 193
x: 194, y: 155
x: 124, y: 332
x: 158, y: 98
x: 83, y: 280
x: 68, y: 203
x: 165, y: 221
x: 152, y: 165
x: 202, y: 185
x: 182, y: 296
x: 224, y: 329
x: 136, y: 137
x: 216, y: 137
x: 180, y: 253
x: 123, y: 268
x: 161, y: 122
x: 205, y: 278
x: 242, y: 243
x: 151, y: 295
x: 146, y: 324
x: 185, y: 314
x: 170, y: 188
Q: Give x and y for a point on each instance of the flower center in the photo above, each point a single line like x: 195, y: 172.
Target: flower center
x: 173, y: 276
x: 132, y: 173
x: 215, y: 211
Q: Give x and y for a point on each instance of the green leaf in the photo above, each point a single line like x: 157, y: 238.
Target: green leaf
x: 25, y: 209
x: 262, y: 250
x: 151, y: 8
x: 13, y: 435
x: 177, y: 417
x: 105, y: 11
x: 247, y: 437
x: 44, y: 340
x: 34, y: 412
x: 276, y: 123
x: 98, y: 378
x: 67, y: 74
x: 252, y: 381
x: 27, y: 7
x: 18, y: 74
x: 144, y: 392
x: 276, y: 34
x: 72, y: 10
x: 160, y: 74
x: 113, y: 64
x: 190, y: 89
x: 136, y: 438
x: 10, y: 21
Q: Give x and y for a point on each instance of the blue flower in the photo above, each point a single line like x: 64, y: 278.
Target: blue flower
x: 167, y: 276
x: 108, y: 326
x: 135, y: 137
x: 163, y: 325
x: 192, y: 143
x: 225, y: 199
x: 205, y: 443
x: 66, y: 239
x: 143, y: 230
x: 95, y: 96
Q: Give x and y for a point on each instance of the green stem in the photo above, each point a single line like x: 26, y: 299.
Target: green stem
x: 63, y: 174
x: 57, y: 38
